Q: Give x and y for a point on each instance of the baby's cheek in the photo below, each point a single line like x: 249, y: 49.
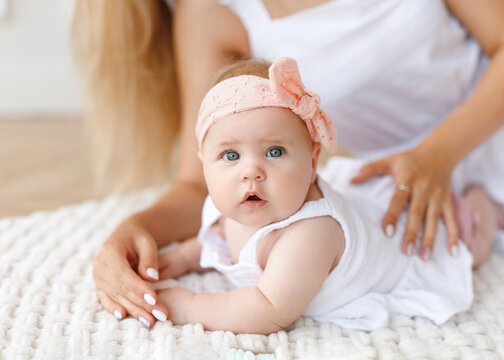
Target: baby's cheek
x: 298, y: 190
x: 222, y: 199
x: 292, y: 202
x: 216, y: 189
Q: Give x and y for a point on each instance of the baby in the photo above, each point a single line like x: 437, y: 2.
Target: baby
x: 290, y: 242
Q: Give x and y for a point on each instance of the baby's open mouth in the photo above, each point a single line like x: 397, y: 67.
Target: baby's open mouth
x: 253, y: 201
x: 254, y: 198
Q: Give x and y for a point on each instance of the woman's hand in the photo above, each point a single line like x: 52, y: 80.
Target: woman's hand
x: 126, y: 261
x: 422, y: 178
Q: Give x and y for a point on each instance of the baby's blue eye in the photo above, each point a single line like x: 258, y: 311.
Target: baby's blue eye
x: 275, y: 152
x: 231, y: 156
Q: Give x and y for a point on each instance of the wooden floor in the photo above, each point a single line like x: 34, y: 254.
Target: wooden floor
x: 44, y: 164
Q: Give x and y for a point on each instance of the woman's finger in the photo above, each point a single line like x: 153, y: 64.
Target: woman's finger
x: 450, y: 221
x: 142, y: 295
x: 111, y: 306
x: 396, y: 207
x: 137, y: 307
x: 430, y: 226
x: 127, y: 285
x: 380, y: 167
x: 416, y: 214
x: 143, y: 316
x: 148, y: 257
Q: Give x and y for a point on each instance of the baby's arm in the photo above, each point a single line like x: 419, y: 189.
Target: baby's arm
x: 296, y: 268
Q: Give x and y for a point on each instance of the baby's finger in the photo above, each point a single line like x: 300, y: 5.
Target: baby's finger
x: 372, y: 169
x: 171, y: 265
x: 416, y: 214
x: 165, y: 259
x: 111, y: 306
x: 170, y: 272
x: 148, y: 257
x: 450, y: 221
x: 396, y: 207
x: 430, y: 227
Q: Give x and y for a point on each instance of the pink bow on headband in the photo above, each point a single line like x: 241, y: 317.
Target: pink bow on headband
x: 289, y: 90
x: 283, y: 89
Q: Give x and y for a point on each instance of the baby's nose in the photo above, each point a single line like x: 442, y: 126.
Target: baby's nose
x: 253, y: 172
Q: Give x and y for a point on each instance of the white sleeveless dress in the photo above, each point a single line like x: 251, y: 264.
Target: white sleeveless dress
x: 373, y: 279
x: 387, y: 73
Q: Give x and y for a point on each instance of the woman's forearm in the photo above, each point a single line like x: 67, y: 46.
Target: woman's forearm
x: 475, y: 120
x: 176, y: 215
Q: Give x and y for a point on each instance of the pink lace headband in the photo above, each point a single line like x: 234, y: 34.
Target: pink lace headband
x: 283, y: 89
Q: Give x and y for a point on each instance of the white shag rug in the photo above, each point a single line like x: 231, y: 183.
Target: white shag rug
x: 49, y: 308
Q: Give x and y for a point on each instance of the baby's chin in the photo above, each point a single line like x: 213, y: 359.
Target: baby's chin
x: 258, y: 222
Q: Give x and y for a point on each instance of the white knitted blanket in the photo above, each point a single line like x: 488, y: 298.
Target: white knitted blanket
x: 49, y: 308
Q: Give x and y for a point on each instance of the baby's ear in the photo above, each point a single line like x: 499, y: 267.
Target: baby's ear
x: 316, y: 148
x: 315, y: 155
x: 200, y: 155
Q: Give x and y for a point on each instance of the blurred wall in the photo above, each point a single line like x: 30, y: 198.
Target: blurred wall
x: 37, y: 76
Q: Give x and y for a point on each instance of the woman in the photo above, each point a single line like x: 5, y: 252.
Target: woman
x: 409, y: 90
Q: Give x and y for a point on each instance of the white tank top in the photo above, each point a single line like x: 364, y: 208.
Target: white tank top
x: 373, y: 279
x: 387, y: 71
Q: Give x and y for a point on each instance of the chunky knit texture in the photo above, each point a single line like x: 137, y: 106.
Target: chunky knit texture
x: 49, y: 308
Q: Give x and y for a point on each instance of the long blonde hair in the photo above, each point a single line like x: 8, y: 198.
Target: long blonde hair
x: 124, y: 52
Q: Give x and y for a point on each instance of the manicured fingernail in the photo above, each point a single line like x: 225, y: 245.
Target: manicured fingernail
x: 153, y: 273
x: 455, y: 250
x: 150, y: 300
x: 118, y: 314
x: 389, y: 230
x: 427, y: 254
x: 145, y: 323
x: 411, y: 249
x: 159, y: 315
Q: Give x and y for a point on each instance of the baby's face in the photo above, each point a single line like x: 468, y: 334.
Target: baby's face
x: 259, y: 165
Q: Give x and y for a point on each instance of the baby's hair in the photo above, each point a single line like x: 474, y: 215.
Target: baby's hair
x: 256, y: 67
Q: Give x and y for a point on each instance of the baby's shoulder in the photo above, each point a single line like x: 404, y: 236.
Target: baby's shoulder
x: 321, y: 233
x: 321, y: 226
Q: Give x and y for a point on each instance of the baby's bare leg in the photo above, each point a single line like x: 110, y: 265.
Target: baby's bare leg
x: 490, y: 218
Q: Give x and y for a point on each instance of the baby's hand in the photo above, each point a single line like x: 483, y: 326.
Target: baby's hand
x: 183, y: 259
x: 172, y: 265
x: 178, y: 302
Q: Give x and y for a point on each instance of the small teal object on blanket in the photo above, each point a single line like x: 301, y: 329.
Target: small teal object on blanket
x: 234, y: 354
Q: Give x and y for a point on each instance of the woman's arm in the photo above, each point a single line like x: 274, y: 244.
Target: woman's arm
x: 295, y: 270
x: 483, y: 112
x: 207, y: 35
x: 427, y: 169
